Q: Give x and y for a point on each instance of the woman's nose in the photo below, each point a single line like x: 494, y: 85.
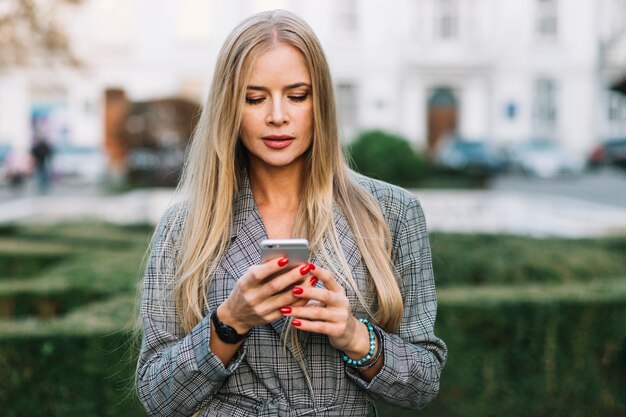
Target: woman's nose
x: 277, y: 115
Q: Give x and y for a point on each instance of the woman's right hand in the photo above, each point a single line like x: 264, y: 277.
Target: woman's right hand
x: 256, y: 300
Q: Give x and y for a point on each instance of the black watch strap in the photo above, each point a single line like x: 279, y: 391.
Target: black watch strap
x: 226, y: 333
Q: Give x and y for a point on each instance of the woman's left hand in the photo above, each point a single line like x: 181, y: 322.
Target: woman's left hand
x: 331, y: 316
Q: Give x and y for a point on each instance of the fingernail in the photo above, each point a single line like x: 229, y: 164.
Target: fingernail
x: 285, y: 310
x: 313, y: 281
x: 283, y: 261
x: 296, y: 323
x: 298, y: 290
x: 305, y: 270
x: 311, y: 267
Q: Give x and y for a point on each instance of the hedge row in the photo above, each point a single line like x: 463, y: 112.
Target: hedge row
x: 541, y: 358
x: 487, y: 259
x: 519, y: 358
x: 534, y: 327
x: 61, y: 375
x: 389, y: 157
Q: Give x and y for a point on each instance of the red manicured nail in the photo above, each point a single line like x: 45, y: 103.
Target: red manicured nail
x: 296, y: 323
x: 283, y: 261
x: 313, y: 281
x: 285, y: 310
x: 298, y: 290
x: 311, y: 267
x: 305, y: 270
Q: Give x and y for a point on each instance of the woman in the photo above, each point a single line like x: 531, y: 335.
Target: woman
x: 265, y: 161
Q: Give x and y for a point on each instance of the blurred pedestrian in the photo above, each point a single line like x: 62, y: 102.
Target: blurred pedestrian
x: 42, y: 155
x: 227, y: 334
x: 19, y: 167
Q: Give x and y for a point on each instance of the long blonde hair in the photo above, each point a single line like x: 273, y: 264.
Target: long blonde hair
x: 216, y: 160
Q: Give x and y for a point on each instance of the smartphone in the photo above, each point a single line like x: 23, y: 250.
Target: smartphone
x: 296, y: 250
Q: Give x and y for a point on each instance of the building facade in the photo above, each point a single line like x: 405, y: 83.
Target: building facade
x: 483, y: 69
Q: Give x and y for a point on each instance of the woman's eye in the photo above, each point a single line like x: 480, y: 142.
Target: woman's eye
x: 301, y: 97
x: 251, y: 100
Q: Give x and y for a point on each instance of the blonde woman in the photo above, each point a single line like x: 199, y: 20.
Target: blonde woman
x: 225, y: 334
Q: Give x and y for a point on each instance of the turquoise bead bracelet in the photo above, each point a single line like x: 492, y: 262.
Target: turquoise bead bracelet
x: 358, y: 363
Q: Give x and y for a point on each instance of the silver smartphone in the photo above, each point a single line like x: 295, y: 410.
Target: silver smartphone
x: 296, y: 250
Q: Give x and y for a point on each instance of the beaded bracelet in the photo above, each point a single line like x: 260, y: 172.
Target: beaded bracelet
x: 362, y: 363
x: 381, y: 348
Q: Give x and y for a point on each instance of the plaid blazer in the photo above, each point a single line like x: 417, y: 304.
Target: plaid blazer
x: 177, y: 374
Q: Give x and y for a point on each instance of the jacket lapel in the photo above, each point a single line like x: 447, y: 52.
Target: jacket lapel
x: 248, y: 231
x: 353, y: 258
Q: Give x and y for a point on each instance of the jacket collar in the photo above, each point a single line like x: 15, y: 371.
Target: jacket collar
x: 244, y: 207
x: 248, y: 231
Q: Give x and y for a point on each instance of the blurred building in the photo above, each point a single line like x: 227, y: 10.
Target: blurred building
x: 487, y: 69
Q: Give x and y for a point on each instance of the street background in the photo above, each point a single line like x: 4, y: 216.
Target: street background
x: 592, y: 204
x: 506, y: 119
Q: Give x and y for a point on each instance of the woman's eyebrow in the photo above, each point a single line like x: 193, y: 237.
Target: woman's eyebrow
x: 297, y: 85
x: 288, y: 87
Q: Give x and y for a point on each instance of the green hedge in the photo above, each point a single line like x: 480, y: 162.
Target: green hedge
x: 483, y: 259
x: 66, y: 296
x: 386, y: 157
x: 535, y: 327
x: 389, y: 157
x: 82, y: 376
x: 516, y: 359
x: 533, y: 359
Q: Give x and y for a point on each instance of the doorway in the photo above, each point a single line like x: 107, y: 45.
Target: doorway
x: 442, y: 116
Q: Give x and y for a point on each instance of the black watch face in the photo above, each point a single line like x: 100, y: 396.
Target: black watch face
x: 228, y: 334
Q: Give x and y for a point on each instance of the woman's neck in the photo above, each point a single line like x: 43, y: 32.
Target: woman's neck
x: 278, y: 188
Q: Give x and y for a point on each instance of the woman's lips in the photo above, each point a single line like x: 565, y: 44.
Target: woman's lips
x: 277, y: 142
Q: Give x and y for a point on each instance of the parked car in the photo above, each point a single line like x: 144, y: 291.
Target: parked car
x: 155, y: 167
x: 545, y: 159
x: 4, y: 168
x: 609, y: 153
x: 78, y: 163
x: 468, y: 155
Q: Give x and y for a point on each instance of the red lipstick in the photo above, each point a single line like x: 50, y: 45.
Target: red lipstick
x: 278, y: 141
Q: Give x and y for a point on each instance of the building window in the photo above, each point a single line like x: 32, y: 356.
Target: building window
x: 545, y: 111
x: 193, y: 25
x: 546, y: 23
x: 446, y: 19
x: 347, y: 108
x: 346, y: 15
x: 616, y: 108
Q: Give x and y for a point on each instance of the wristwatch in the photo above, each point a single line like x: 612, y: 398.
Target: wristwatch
x: 226, y: 333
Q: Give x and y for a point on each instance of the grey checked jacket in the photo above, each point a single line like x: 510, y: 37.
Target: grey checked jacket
x: 177, y: 374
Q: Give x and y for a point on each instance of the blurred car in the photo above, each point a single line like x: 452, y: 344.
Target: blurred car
x: 78, y: 163
x: 155, y: 167
x: 609, y: 153
x: 4, y: 166
x: 468, y: 155
x: 545, y: 159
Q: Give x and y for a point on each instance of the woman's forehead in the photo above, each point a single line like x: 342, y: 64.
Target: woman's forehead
x: 281, y: 64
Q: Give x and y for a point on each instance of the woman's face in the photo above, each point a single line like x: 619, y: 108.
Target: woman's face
x: 277, y: 124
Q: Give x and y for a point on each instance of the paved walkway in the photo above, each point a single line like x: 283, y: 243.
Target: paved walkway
x: 523, y: 213
x: 491, y: 211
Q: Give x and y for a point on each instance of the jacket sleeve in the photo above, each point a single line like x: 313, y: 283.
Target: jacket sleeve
x: 414, y: 357
x: 176, y: 372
